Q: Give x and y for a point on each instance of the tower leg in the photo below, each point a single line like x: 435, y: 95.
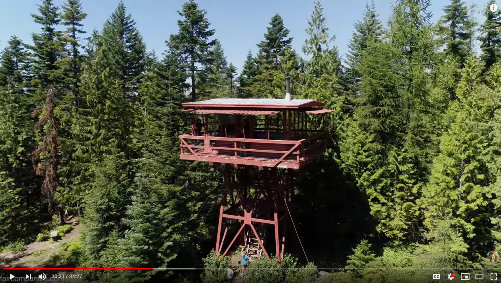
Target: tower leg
x: 219, y: 229
x: 277, y: 242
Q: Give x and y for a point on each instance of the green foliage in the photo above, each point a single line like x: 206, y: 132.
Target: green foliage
x: 367, y: 31
x: 64, y: 229
x: 217, y: 81
x: 9, y: 209
x: 265, y: 74
x: 459, y: 191
x: 47, y: 45
x: 268, y: 270
x: 362, y: 255
x: 321, y: 77
x: 68, y: 255
x: 215, y: 268
x: 192, y: 43
x: 456, y: 31
x: 61, y: 231
x: 416, y: 128
x: 490, y: 37
x: 15, y: 247
x: 44, y: 236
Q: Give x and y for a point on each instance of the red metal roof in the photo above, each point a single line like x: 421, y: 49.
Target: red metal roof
x: 319, y: 111
x: 233, y: 111
x: 221, y: 103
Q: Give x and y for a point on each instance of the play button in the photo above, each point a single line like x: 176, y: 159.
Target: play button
x: 12, y: 276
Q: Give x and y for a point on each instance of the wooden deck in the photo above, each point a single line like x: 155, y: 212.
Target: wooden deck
x: 291, y: 154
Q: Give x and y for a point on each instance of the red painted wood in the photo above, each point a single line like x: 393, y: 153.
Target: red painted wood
x: 304, y: 106
x: 259, y: 240
x: 228, y: 139
x: 234, y: 238
x: 233, y: 111
x: 242, y: 218
x: 277, y: 243
x: 291, y: 164
x: 222, y: 240
x: 219, y: 228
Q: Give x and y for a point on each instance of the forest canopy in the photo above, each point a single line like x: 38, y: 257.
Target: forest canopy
x: 89, y: 126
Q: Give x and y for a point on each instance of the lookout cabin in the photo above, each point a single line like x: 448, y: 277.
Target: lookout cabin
x: 284, y: 133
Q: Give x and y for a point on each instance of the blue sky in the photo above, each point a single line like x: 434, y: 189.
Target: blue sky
x: 239, y: 24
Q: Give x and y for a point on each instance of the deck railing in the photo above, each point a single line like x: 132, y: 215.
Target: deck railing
x: 201, y: 148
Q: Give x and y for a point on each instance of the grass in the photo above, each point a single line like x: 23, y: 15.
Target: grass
x: 69, y: 254
x: 61, y: 231
x: 15, y: 247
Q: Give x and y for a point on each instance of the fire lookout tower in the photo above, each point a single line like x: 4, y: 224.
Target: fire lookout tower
x: 263, y: 133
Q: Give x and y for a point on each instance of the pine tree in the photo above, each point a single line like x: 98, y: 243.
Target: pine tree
x: 274, y: 43
x: 247, y: 76
x: 193, y: 41
x: 106, y: 129
x: 46, y: 155
x: 490, y: 37
x: 70, y: 67
x: 47, y: 46
x: 272, y: 61
x: 15, y: 66
x: 18, y: 181
x: 459, y: 192
x: 368, y: 30
x: 150, y: 239
x: 320, y: 80
x: 10, y: 203
x: 456, y: 31
x: 216, y: 82
x: 70, y: 64
x: 231, y: 71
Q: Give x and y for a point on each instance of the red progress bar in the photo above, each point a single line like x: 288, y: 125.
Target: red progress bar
x: 72, y: 268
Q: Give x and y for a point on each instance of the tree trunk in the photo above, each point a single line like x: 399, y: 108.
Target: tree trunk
x: 61, y: 216
x: 193, y: 94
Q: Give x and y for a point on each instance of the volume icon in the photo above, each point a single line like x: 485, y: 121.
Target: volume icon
x: 42, y: 276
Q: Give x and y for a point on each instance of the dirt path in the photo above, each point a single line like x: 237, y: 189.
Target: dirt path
x: 37, y: 254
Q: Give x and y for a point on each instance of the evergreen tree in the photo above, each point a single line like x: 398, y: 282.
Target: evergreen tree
x: 70, y: 64
x: 247, y: 76
x: 152, y: 221
x: 70, y: 67
x: 321, y: 76
x: 456, y: 31
x: 47, y: 46
x: 216, y: 83
x: 46, y: 155
x: 458, y: 194
x: 368, y: 30
x: 274, y: 61
x: 10, y: 204
x: 275, y: 41
x: 18, y: 181
x: 106, y: 127
x: 490, y: 38
x: 193, y: 41
x: 15, y: 66
x: 231, y: 71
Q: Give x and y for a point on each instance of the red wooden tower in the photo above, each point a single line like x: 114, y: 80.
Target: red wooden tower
x: 266, y: 133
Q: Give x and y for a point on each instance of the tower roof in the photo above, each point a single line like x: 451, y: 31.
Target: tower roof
x: 254, y: 103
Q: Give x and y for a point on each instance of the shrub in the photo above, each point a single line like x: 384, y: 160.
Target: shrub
x: 70, y: 254
x: 15, y: 247
x: 44, y: 236
x: 268, y: 270
x: 308, y: 273
x: 215, y: 268
x: 63, y: 230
